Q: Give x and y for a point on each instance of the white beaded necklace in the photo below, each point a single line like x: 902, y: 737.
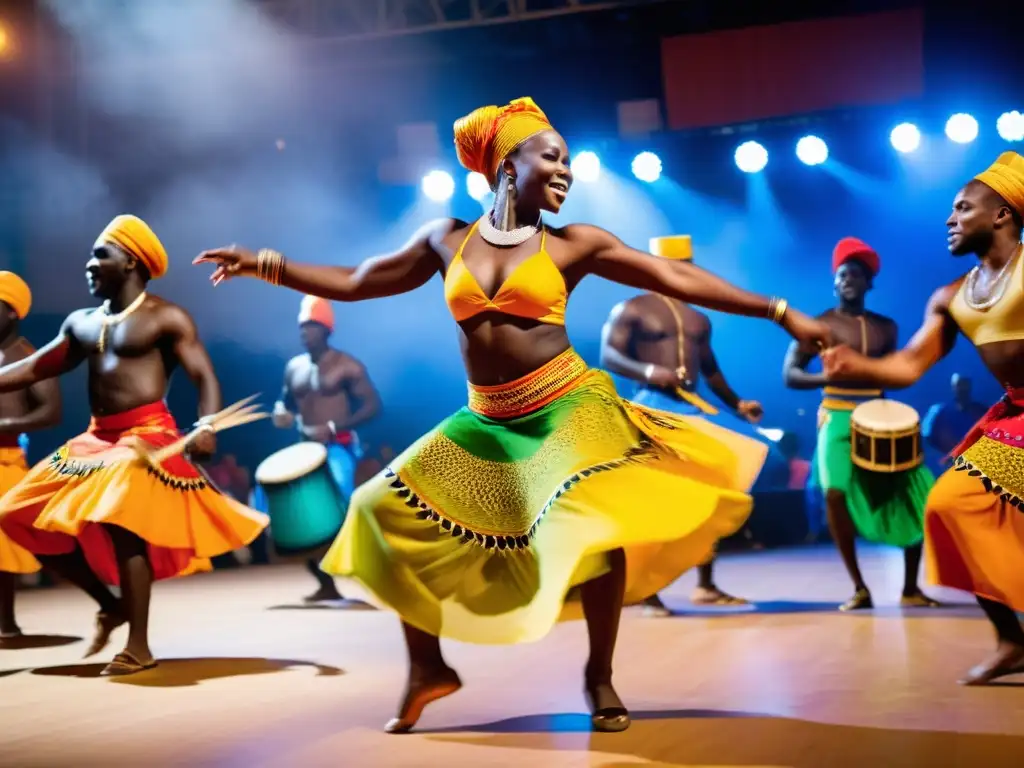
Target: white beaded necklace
x: 506, y: 237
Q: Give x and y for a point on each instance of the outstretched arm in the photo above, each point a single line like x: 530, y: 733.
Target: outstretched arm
x: 58, y: 357
x: 400, y: 272
x: 933, y: 341
x: 795, y: 373
x: 616, y: 336
x: 608, y: 257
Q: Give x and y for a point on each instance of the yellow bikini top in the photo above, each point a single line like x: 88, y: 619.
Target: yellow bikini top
x: 535, y: 289
x: 1003, y: 321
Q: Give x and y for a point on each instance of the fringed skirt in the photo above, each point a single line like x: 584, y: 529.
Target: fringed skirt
x: 94, y: 480
x: 478, y: 530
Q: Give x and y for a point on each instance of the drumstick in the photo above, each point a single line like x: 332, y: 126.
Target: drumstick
x: 234, y: 415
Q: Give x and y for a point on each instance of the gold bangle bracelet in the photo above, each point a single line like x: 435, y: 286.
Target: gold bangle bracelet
x: 777, y: 309
x: 270, y: 266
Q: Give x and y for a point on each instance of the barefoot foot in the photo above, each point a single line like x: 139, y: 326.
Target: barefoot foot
x: 106, y: 623
x: 860, y: 601
x: 714, y: 596
x: 918, y: 599
x: 1007, y: 660
x: 10, y: 632
x: 607, y: 712
x: 422, y: 689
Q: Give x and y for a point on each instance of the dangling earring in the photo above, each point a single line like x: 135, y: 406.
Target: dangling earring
x: 506, y: 214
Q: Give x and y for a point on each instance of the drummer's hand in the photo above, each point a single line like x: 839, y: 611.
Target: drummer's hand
x: 233, y: 261
x: 319, y: 433
x: 282, y: 418
x: 842, y: 364
x: 662, y: 378
x: 202, y: 446
x: 750, y: 410
x: 812, y: 335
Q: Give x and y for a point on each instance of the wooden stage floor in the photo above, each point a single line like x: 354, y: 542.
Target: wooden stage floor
x: 249, y: 680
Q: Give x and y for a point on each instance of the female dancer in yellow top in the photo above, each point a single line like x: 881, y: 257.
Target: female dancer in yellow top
x: 479, y: 529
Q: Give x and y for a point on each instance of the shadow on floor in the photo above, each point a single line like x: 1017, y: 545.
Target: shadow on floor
x: 328, y: 605
x: 24, y: 642
x: 735, y: 739
x: 688, y: 610
x: 176, y: 673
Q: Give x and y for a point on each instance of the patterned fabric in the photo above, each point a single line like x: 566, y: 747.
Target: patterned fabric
x: 992, y: 450
x: 480, y: 528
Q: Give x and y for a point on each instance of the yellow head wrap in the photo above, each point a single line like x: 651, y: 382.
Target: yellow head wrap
x: 15, y: 293
x: 678, y: 247
x: 1006, y: 177
x: 487, y: 135
x: 134, y: 236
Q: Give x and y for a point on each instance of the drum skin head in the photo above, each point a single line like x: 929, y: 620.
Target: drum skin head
x: 290, y: 463
x: 883, y: 415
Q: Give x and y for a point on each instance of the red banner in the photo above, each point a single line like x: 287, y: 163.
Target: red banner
x: 742, y: 75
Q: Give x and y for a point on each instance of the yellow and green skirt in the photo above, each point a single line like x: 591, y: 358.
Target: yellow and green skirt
x: 479, y: 529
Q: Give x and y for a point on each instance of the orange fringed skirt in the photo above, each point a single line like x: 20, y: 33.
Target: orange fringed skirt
x: 13, y: 468
x: 95, y: 480
x: 974, y: 524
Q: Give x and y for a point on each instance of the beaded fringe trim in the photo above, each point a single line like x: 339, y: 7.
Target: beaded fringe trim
x: 82, y: 469
x: 960, y: 464
x: 639, y: 454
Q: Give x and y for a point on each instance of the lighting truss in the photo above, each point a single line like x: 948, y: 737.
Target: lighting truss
x: 333, y: 20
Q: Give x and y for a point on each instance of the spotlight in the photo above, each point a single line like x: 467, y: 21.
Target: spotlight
x: 647, y: 167
x: 1010, y: 126
x: 438, y: 186
x: 905, y: 137
x: 586, y: 167
x: 962, y: 128
x: 477, y: 186
x: 751, y: 157
x: 811, y: 150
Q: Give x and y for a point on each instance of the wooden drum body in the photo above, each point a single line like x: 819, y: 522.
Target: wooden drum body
x: 305, y: 505
x: 885, y: 436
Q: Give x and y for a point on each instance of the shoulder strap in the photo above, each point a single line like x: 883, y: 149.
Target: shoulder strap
x: 462, y: 245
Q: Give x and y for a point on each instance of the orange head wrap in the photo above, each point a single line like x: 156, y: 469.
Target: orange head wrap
x: 487, y: 135
x: 132, y: 235
x: 678, y: 247
x: 316, y: 310
x: 1006, y: 177
x: 15, y: 293
x: 852, y: 248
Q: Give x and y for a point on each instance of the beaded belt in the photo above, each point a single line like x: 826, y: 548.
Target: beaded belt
x: 530, y: 392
